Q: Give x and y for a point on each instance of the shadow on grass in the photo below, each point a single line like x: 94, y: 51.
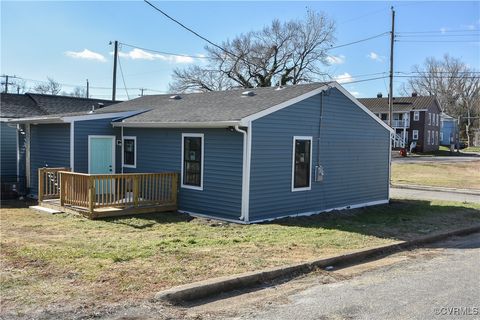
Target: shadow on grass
x: 444, y: 153
x: 399, y: 220
x: 148, y: 220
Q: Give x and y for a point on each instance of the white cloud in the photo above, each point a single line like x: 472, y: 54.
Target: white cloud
x: 356, y: 94
x: 139, y: 54
x: 343, y: 78
x: 86, y: 54
x: 336, y: 59
x: 375, y: 57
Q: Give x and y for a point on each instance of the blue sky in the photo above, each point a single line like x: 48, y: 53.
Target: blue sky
x: 69, y: 41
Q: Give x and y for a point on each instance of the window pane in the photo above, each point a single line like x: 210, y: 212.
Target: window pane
x: 129, y: 152
x: 302, y: 164
x: 192, y: 157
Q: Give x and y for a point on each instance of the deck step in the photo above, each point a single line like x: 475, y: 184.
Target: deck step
x: 44, y: 209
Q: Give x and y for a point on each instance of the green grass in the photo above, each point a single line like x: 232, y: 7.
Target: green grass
x: 471, y: 149
x: 60, y: 259
x: 465, y: 175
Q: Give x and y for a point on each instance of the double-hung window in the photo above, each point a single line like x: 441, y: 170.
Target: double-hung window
x: 428, y: 137
x: 192, y: 161
x: 302, y: 163
x: 415, y: 135
x: 416, y: 115
x: 129, y: 146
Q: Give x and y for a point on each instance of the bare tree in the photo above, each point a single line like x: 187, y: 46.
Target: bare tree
x: 79, y: 92
x: 455, y: 85
x: 50, y: 87
x: 282, y: 53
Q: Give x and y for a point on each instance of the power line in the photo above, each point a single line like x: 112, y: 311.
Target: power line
x: 436, y: 35
x: 428, y: 41
x: 358, y: 41
x: 189, y: 29
x: 437, y: 31
x: 164, y: 52
x: 123, y: 78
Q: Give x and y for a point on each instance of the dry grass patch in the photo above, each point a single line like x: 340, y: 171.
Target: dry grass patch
x: 59, y: 260
x: 455, y: 175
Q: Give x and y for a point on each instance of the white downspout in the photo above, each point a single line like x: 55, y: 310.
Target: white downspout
x: 121, y: 157
x: 245, y: 174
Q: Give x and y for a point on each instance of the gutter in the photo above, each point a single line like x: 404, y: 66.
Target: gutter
x: 245, y: 171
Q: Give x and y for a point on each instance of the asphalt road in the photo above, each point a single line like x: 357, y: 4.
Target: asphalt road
x: 432, y: 195
x: 444, y: 284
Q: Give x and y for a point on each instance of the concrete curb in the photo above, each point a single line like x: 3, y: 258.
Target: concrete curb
x: 441, y: 189
x: 210, y: 287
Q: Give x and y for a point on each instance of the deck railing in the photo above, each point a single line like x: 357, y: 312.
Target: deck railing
x: 49, y: 182
x: 91, y: 191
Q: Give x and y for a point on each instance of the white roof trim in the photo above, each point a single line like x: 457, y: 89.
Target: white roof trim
x: 333, y: 84
x: 282, y: 105
x: 210, y: 124
x: 359, y: 104
x: 82, y: 117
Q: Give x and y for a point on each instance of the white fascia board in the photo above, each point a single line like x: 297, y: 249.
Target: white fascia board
x: 359, y: 104
x: 83, y: 117
x: 245, y: 121
x: 200, y: 125
x: 99, y: 116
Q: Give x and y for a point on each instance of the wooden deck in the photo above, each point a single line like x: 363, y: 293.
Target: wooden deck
x: 98, y: 196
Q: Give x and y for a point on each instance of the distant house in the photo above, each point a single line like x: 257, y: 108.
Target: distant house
x: 243, y: 156
x: 415, y: 118
x: 15, y: 106
x: 448, y: 130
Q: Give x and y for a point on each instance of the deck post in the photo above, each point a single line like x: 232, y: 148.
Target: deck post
x: 62, y: 189
x: 91, y: 195
x: 175, y: 188
x: 40, y: 184
x: 135, y: 190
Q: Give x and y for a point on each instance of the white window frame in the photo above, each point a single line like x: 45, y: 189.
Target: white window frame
x: 429, y: 118
x: 441, y: 136
x: 438, y: 116
x: 295, y: 138
x: 428, y: 137
x: 134, y: 138
x: 193, y: 135
x: 415, y: 135
x: 436, y: 137
x: 416, y: 115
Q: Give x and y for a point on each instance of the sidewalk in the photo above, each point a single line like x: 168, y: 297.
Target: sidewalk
x: 417, y: 194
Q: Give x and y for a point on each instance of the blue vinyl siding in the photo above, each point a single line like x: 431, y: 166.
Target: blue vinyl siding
x: 49, y: 146
x: 449, y: 132
x: 8, y: 152
x: 354, y: 153
x: 160, y: 150
x: 101, y: 127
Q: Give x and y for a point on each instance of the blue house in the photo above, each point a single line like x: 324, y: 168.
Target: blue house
x: 242, y: 155
x: 448, y: 130
x: 13, y: 136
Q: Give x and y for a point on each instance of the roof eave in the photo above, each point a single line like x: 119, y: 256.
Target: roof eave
x: 199, y: 125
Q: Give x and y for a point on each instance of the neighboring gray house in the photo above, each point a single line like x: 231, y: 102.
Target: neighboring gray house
x: 243, y: 155
x: 448, y: 130
x: 415, y: 118
x: 13, y: 144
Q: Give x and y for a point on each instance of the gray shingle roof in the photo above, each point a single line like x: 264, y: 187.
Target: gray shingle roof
x: 215, y: 106
x: 17, y: 106
x: 34, y: 105
x: 378, y: 105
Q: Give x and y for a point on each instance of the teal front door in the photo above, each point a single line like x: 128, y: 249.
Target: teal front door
x: 101, y: 160
x: 101, y: 155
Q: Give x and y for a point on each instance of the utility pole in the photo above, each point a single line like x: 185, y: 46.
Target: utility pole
x: 88, y: 87
x: 6, y: 84
x: 141, y: 91
x: 115, y: 57
x: 390, y: 95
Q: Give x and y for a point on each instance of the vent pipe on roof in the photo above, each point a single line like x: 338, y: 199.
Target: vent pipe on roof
x: 414, y: 94
x: 175, y: 97
x: 379, y: 95
x: 248, y: 93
